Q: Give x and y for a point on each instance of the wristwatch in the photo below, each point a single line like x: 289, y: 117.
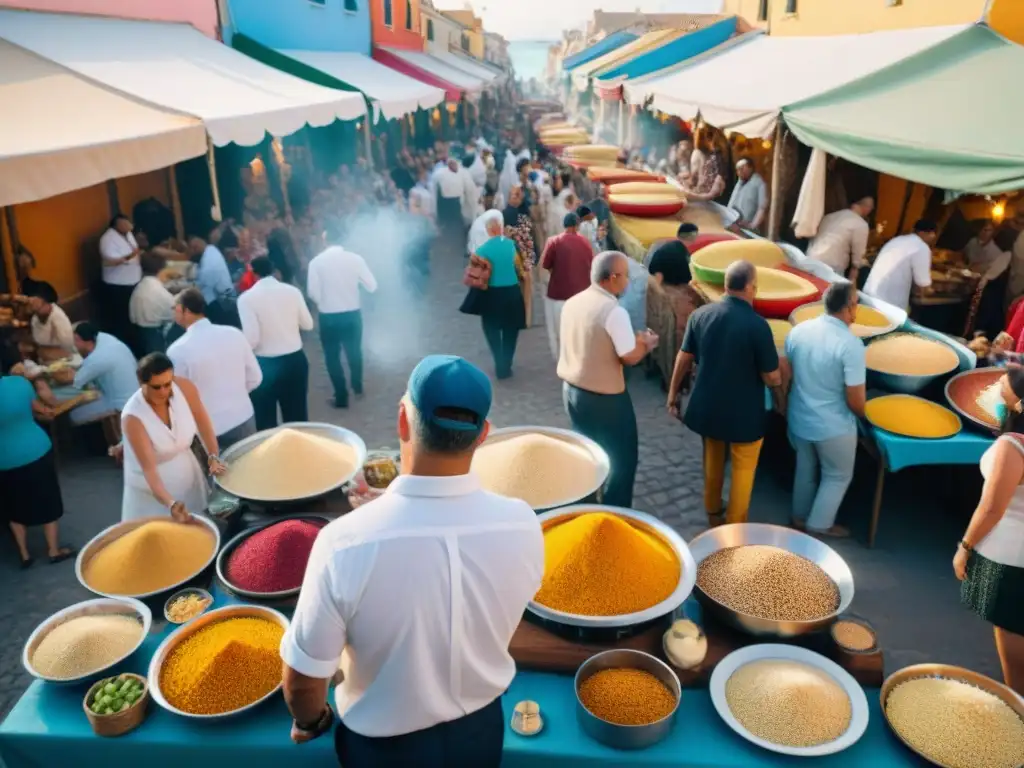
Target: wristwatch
x: 967, y: 547
x: 319, y: 727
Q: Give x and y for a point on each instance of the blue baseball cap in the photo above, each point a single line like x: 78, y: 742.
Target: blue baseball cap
x: 448, y: 381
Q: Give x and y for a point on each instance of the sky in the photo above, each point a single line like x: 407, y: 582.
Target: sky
x: 545, y: 19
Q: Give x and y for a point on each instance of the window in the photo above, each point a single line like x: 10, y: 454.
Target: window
x: 790, y: 6
x: 318, y: 2
x: 351, y: 6
x: 465, y: 41
x: 388, y: 21
x: 762, y: 12
x: 408, y: 14
x: 430, y: 29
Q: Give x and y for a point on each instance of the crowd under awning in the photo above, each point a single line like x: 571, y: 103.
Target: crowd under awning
x: 600, y: 48
x: 64, y: 132
x: 176, y: 67
x: 609, y: 79
x: 745, y: 87
x: 425, y: 62
x: 945, y: 118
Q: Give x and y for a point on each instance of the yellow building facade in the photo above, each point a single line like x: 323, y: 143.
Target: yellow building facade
x: 473, y: 29
x: 836, y: 17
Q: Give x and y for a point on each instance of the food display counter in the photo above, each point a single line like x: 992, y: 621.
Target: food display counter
x: 47, y: 725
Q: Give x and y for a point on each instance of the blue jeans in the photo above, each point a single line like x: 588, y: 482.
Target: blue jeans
x: 823, y: 473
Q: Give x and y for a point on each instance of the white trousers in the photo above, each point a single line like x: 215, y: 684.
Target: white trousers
x: 553, y: 321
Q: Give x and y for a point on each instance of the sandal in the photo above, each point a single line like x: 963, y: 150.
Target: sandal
x: 26, y: 563
x: 63, y: 554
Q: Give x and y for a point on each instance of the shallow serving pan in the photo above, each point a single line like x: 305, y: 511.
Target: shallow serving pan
x: 187, y: 630
x: 321, y: 429
x: 626, y: 736
x: 963, y: 386
x: 649, y: 523
x: 597, y: 453
x: 740, y: 534
x: 1015, y: 702
x: 102, y: 606
x: 232, y: 545
x: 118, y: 530
x: 858, y: 701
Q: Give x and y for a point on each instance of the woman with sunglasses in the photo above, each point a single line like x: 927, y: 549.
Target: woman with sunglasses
x: 165, y: 425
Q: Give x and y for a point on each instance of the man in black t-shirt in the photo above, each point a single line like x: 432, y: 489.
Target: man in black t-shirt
x: 735, y: 355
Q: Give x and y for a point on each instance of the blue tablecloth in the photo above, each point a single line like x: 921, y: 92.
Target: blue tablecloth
x: 48, y: 729
x: 901, y: 452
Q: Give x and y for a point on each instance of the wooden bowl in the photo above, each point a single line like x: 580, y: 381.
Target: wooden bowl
x: 119, y: 723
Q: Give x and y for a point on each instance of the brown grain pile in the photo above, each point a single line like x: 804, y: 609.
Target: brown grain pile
x: 853, y: 635
x: 626, y: 696
x: 768, y: 583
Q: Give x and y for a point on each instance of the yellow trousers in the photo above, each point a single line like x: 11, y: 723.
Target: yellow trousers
x: 744, y: 458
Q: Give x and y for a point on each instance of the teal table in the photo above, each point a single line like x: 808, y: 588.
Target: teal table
x: 47, y: 729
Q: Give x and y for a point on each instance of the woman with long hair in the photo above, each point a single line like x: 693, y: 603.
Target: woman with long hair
x: 707, y: 182
x: 989, y: 559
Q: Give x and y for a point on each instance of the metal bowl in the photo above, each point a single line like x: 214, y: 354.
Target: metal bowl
x: 741, y: 534
x: 321, y: 429
x: 911, y: 385
x: 232, y: 545
x: 187, y: 630
x: 202, y: 594
x: 102, y: 606
x: 597, y: 454
x: 870, y: 334
x: 116, y: 531
x: 648, y: 523
x: 1013, y: 701
x: 626, y: 736
x: 989, y: 376
x: 858, y: 701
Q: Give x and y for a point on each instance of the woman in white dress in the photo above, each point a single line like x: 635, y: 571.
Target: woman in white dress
x: 162, y: 475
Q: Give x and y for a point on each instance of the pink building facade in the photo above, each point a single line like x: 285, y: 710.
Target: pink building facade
x: 201, y: 14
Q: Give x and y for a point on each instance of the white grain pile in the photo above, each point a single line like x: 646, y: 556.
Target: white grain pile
x: 989, y: 400
x: 540, y: 470
x: 769, y: 583
x: 290, y: 464
x: 788, y: 703
x: 84, y: 645
x: 956, y: 724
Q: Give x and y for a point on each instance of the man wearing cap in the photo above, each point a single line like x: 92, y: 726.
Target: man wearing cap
x: 566, y: 263
x: 596, y: 341
x: 749, y: 196
x: 416, y: 596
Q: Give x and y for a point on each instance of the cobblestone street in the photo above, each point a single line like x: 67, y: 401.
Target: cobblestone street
x: 905, y: 585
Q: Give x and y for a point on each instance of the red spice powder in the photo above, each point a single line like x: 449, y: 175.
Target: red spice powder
x: 275, y: 558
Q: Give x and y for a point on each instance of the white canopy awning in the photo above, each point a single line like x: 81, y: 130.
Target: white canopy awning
x: 60, y: 132
x: 392, y: 93
x: 432, y: 65
x: 177, y: 67
x: 744, y: 87
x: 467, y: 65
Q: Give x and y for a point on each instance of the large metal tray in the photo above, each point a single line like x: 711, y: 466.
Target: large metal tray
x: 992, y: 373
x: 321, y: 429
x: 116, y: 531
x: 741, y: 534
x: 687, y: 571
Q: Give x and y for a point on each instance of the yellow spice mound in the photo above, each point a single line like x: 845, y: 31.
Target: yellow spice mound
x: 627, y: 696
x: 909, y: 355
x: 598, y: 564
x: 154, y: 556
x: 912, y: 417
x: 648, y: 231
x: 866, y: 321
x: 760, y: 253
x: 224, y: 666
x: 647, y: 188
x: 542, y: 471
x: 644, y: 198
x: 290, y: 464
x: 788, y: 703
x: 776, y: 284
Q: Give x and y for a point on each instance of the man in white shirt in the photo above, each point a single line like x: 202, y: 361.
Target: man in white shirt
x: 417, y: 594
x: 842, y: 239
x: 903, y: 263
x: 220, y: 362
x: 119, y: 253
x: 273, y: 314
x: 332, y: 283
x: 750, y: 196
x: 151, y: 308
x: 451, y: 185
x: 51, y: 328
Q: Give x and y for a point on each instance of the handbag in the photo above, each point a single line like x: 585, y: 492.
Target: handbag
x: 477, y: 274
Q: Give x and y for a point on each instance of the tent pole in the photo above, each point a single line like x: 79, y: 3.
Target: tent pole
x: 775, y: 204
x: 211, y: 167
x: 367, y: 139
x: 599, y: 120
x: 179, y: 223
x: 622, y: 123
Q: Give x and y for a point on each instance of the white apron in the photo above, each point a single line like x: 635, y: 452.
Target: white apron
x: 182, y: 476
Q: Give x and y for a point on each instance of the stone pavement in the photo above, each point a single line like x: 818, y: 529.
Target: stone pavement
x: 905, y: 586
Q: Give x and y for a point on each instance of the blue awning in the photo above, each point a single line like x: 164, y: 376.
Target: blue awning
x: 674, y: 51
x: 600, y: 48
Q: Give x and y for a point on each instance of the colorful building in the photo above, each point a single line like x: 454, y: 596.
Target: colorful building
x: 440, y: 33
x: 313, y: 25
x: 395, y: 23
x: 496, y: 50
x: 834, y: 17
x: 472, y: 41
x: 201, y: 14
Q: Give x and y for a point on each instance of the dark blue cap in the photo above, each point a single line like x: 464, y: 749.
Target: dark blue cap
x: 448, y: 381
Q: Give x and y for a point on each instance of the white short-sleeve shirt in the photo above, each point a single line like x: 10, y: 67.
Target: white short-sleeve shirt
x: 114, y: 245
x: 904, y: 262
x: 417, y: 594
